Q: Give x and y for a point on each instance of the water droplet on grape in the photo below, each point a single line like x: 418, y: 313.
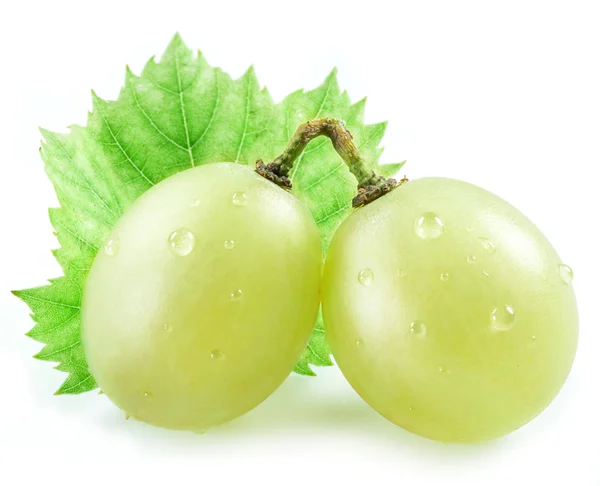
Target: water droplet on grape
x: 112, y: 246
x: 470, y: 228
x: 471, y: 259
x: 216, y: 354
x: 239, y: 199
x: 229, y: 244
x: 359, y: 343
x: 532, y: 341
x: 484, y: 273
x: 418, y: 329
x: 365, y: 277
x: 181, y: 242
x: 566, y: 273
x: 411, y: 409
x: 300, y: 114
x: 429, y: 226
x: 487, y: 245
x: 443, y: 370
x: 402, y: 273
x: 148, y: 395
x: 444, y: 277
x: 236, y: 295
x: 194, y: 203
x: 503, y: 318
x: 168, y: 328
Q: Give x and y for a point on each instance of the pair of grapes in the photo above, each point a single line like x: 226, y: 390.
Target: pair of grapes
x: 446, y: 309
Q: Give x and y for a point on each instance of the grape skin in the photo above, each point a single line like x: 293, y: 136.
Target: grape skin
x: 203, y: 298
x: 466, y: 327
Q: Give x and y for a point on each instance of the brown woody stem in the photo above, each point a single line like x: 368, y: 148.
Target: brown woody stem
x: 370, y: 185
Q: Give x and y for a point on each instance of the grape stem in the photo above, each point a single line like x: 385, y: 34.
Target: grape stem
x: 370, y: 185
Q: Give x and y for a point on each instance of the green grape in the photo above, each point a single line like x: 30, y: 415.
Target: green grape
x: 448, y: 311
x: 203, y: 297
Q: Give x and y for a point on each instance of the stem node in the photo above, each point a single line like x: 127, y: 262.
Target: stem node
x: 271, y: 173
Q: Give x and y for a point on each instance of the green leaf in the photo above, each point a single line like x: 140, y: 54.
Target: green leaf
x: 179, y: 113
x: 316, y: 353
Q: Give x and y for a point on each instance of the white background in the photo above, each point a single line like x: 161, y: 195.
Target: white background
x: 505, y: 95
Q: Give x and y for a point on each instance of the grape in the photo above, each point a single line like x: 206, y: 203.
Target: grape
x: 448, y: 311
x: 203, y: 297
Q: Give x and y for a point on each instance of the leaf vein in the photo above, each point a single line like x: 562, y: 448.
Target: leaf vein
x: 57, y: 326
x: 246, y: 111
x: 127, y: 157
x: 46, y: 356
x: 139, y: 106
x: 322, y: 178
x: 214, y: 111
x: 375, y: 134
x: 48, y: 301
x: 317, y: 355
x: 78, y: 237
x: 183, y: 115
x: 331, y: 215
x: 78, y: 384
x: 87, y: 183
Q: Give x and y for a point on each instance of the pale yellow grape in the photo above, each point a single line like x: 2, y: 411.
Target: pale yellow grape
x: 203, y: 297
x: 448, y: 311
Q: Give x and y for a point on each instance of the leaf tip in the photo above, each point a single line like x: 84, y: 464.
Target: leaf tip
x: 250, y: 73
x: 150, y: 64
x: 129, y: 74
x: 19, y: 294
x: 331, y: 78
x: 46, y: 134
x: 304, y: 370
x: 175, y: 44
x: 177, y: 38
x: 96, y: 100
